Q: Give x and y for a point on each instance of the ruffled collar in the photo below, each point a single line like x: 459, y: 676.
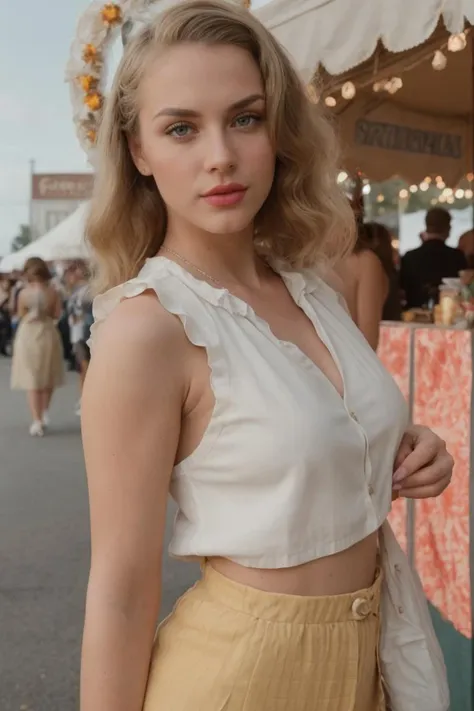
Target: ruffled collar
x: 298, y: 283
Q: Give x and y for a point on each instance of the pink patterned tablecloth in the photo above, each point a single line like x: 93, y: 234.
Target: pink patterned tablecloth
x: 394, y: 351
x: 442, y: 387
x: 442, y: 401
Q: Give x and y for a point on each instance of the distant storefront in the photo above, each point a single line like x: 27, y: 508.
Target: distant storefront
x: 56, y: 196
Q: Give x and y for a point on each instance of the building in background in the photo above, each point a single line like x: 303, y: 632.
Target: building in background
x: 56, y: 196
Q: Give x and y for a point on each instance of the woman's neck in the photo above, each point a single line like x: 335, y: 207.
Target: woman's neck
x: 229, y: 259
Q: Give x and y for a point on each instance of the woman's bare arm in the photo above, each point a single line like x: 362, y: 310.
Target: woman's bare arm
x: 131, y: 409
x: 372, y: 290
x: 56, y: 304
x: 21, y: 307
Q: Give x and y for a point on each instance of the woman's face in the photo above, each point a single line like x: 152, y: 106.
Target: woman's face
x: 203, y: 126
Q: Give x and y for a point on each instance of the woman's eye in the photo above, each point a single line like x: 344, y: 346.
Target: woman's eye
x: 180, y: 130
x: 246, y: 120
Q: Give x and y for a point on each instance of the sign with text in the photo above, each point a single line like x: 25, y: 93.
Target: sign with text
x: 55, y: 196
x: 67, y: 186
x: 392, y: 137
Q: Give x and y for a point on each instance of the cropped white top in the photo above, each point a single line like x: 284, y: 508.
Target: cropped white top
x: 287, y: 471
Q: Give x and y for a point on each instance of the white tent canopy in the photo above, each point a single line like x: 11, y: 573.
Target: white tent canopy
x: 65, y: 241
x: 340, y: 34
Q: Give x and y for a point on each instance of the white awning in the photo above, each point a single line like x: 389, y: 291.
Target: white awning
x: 65, y: 241
x: 340, y: 34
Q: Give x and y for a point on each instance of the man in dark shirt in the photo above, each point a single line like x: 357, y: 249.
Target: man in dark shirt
x: 423, y: 270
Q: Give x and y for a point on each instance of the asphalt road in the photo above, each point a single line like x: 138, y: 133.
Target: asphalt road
x: 44, y: 555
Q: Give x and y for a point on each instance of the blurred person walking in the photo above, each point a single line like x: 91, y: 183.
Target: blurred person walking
x: 37, y: 365
x: 80, y: 319
x: 5, y: 317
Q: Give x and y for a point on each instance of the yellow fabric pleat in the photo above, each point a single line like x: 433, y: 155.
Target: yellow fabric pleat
x: 228, y: 647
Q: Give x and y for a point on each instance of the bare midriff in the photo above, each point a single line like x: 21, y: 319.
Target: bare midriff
x: 345, y: 572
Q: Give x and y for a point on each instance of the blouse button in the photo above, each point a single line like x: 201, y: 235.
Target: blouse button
x: 371, y: 490
x: 353, y: 416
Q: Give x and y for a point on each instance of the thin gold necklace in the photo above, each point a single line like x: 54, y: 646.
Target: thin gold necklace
x: 191, y: 264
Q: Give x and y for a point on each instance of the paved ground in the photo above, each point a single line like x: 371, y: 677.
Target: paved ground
x: 44, y: 556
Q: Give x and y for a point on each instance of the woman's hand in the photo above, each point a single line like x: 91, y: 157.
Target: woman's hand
x: 423, y: 466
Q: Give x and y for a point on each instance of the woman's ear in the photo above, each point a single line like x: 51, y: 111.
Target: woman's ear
x: 136, y: 152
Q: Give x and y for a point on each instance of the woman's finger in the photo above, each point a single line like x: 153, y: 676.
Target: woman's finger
x: 425, y: 452
x: 406, y: 448
x: 425, y: 477
x: 426, y: 492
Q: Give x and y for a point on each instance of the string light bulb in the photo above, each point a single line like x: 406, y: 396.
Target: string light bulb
x: 459, y: 194
x: 468, y: 194
x: 348, y: 90
x: 424, y: 186
x: 457, y: 43
x: 330, y: 101
x: 440, y: 184
x: 342, y: 177
x: 413, y: 189
x: 450, y: 200
x: 439, y: 61
x: 403, y: 194
x: 393, y: 85
x: 366, y: 190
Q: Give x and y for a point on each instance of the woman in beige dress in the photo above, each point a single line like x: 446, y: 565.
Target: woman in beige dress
x: 37, y: 352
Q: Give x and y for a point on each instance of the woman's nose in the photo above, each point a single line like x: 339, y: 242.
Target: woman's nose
x: 219, y: 153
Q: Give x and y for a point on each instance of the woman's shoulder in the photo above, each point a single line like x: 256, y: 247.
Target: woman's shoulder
x: 339, y: 279
x: 367, y: 259
x: 147, y: 308
x: 133, y: 313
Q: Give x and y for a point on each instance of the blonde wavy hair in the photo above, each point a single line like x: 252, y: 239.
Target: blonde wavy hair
x: 306, y: 219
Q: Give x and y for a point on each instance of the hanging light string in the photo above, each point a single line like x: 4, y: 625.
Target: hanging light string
x: 383, y: 72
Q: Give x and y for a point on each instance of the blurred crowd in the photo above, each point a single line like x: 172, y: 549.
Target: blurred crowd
x: 383, y: 286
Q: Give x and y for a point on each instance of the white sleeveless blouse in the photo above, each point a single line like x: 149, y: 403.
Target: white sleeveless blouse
x: 288, y: 471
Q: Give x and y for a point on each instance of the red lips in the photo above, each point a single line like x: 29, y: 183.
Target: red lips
x: 225, y: 189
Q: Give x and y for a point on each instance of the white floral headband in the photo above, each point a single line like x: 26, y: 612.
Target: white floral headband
x: 98, y: 28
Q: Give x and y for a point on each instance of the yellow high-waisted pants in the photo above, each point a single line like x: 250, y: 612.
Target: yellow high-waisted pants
x: 228, y: 647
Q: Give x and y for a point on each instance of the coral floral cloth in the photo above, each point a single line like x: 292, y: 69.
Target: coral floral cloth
x: 442, y: 383
x: 394, y: 350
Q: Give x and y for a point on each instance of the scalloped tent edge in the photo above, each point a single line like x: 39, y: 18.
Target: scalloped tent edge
x: 341, y: 34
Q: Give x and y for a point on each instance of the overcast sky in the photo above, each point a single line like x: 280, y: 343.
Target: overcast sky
x: 35, y: 114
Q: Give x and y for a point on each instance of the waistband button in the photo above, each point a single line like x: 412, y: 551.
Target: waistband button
x: 360, y: 608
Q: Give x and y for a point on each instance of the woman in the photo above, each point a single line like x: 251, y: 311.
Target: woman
x: 242, y: 386
x: 37, y: 365
x: 371, y: 281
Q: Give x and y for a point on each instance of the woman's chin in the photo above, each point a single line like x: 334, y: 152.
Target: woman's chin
x: 232, y: 222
